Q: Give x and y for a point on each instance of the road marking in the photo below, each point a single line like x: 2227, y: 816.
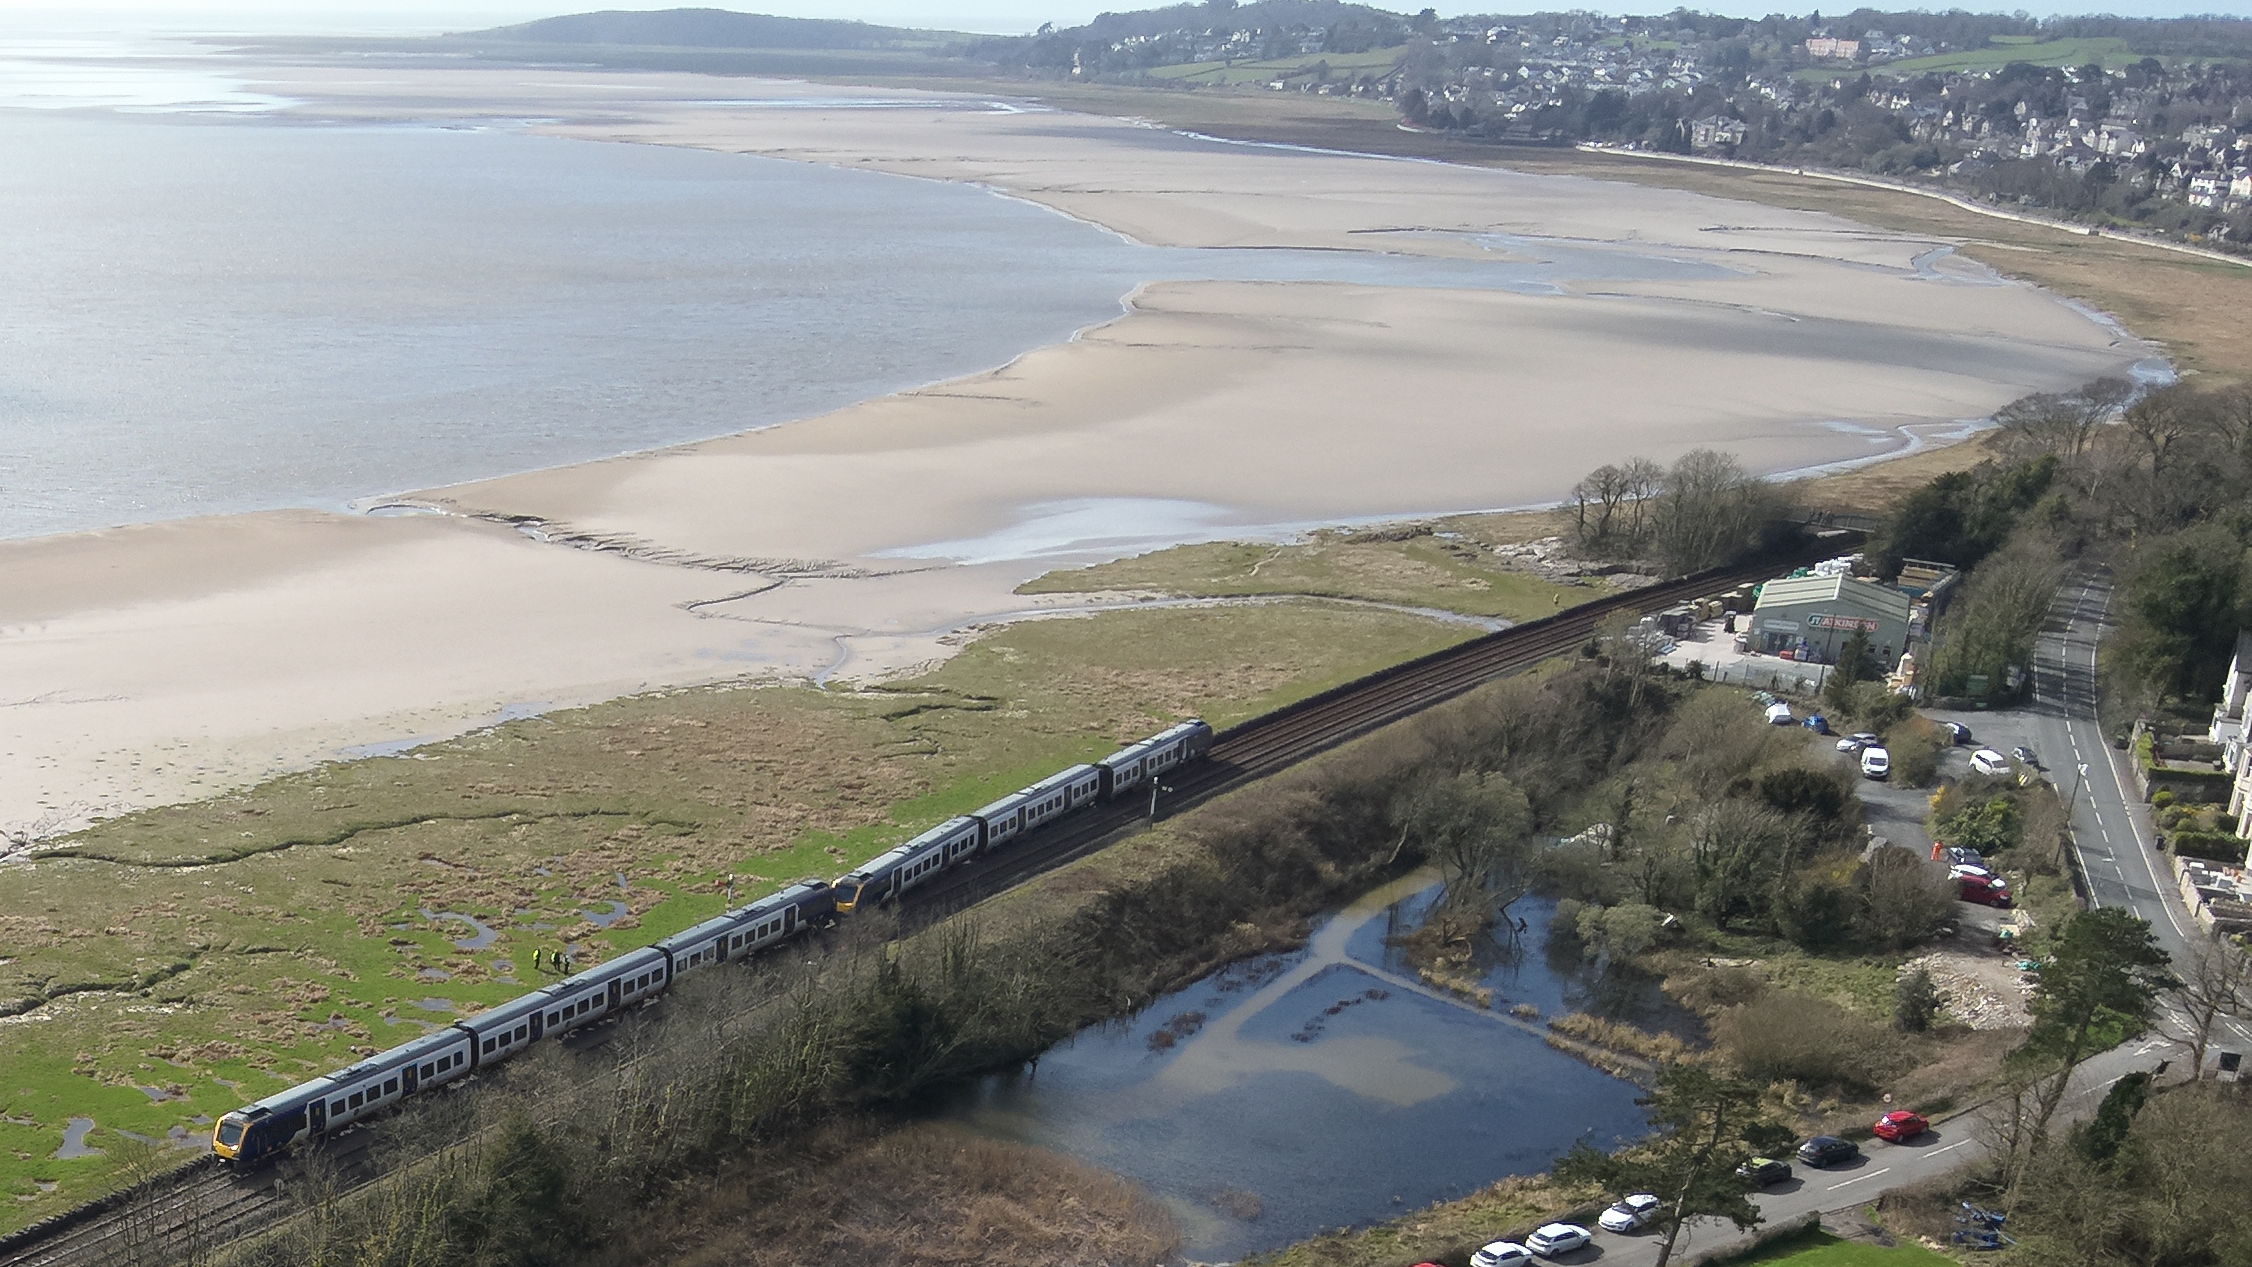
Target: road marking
x: 1961, y: 1143
x: 1858, y: 1178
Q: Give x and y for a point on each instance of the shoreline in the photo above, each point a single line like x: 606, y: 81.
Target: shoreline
x: 1278, y: 405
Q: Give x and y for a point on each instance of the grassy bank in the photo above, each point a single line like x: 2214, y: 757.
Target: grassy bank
x: 167, y: 966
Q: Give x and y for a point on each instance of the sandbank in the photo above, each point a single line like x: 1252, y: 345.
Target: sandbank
x: 157, y: 663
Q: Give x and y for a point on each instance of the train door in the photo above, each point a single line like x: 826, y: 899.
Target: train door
x: 317, y: 1114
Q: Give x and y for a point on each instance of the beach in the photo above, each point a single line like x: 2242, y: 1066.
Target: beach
x: 160, y: 662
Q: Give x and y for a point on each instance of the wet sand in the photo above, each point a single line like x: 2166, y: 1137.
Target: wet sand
x: 150, y: 664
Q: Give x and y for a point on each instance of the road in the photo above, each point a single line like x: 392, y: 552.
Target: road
x: 2116, y: 844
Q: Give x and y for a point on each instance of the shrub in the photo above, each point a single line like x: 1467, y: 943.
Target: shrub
x: 2212, y: 846
x: 1904, y: 901
x: 1916, y: 1002
x: 1787, y: 1035
x: 2161, y: 799
x: 1915, y: 749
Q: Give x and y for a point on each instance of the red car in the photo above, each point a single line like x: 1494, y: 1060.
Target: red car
x: 1900, y: 1125
x: 1982, y: 887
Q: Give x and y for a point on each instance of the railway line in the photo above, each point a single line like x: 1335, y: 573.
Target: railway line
x: 199, y: 1206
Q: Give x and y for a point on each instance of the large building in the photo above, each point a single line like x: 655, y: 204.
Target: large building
x: 2229, y: 726
x: 1810, y: 618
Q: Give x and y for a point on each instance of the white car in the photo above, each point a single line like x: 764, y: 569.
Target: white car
x: 1502, y: 1254
x: 1630, y: 1214
x: 1876, y: 763
x: 1851, y: 744
x: 1779, y: 714
x: 1988, y: 761
x: 1550, y: 1239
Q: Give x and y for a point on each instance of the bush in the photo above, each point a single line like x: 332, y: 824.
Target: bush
x: 1916, y: 1002
x: 2212, y: 846
x: 1904, y: 901
x: 1915, y: 749
x: 1787, y: 1035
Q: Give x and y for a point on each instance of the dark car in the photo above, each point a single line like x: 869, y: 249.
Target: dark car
x: 1819, y: 724
x: 1764, y: 1171
x: 1958, y: 731
x: 1828, y: 1150
x: 2027, y: 755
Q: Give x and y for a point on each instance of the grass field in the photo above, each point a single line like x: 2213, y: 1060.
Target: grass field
x: 1341, y: 66
x: 1817, y: 1248
x: 1442, y: 569
x: 2004, y: 49
x: 167, y: 966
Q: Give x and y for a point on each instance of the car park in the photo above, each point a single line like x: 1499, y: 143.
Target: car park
x: 1876, y: 763
x: 1502, y: 1254
x: 1900, y: 1124
x: 1828, y: 1150
x: 1958, y: 732
x: 1550, y: 1239
x: 1987, y: 761
x: 1779, y: 714
x: 1629, y: 1214
x: 1765, y: 1171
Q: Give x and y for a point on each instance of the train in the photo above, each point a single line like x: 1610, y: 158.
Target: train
x: 258, y: 1133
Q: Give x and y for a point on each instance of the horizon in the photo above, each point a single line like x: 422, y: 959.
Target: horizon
x: 987, y: 17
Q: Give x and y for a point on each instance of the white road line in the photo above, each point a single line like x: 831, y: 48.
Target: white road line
x: 1961, y: 1143
x: 1858, y: 1178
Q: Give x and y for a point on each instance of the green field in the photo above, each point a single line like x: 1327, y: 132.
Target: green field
x: 1820, y: 1249
x: 1341, y: 66
x: 2004, y: 49
x: 162, y: 968
x: 1443, y: 569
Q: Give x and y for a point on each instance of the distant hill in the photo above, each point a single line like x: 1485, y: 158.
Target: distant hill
x: 707, y: 28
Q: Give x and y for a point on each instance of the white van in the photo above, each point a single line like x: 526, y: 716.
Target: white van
x: 1876, y: 763
x: 1988, y: 761
x: 1779, y: 714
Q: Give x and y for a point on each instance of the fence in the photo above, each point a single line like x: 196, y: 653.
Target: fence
x: 1786, y: 677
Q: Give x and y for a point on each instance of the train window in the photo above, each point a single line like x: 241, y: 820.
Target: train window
x: 390, y: 1086
x: 522, y: 1030
x: 358, y: 1098
x: 430, y: 1071
x: 336, y: 1108
x: 488, y: 1044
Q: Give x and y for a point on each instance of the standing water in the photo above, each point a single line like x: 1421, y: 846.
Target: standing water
x: 1291, y: 1093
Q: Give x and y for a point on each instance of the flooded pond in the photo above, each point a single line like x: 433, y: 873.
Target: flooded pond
x: 1292, y: 1093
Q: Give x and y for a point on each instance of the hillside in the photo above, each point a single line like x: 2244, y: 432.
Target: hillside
x: 708, y: 28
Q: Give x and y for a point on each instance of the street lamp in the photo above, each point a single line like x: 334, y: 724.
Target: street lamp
x: 1154, y: 788
x: 2069, y: 806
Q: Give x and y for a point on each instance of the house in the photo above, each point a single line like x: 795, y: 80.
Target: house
x: 2119, y: 139
x: 2206, y: 189
x: 1715, y: 131
x: 1824, y: 46
x: 2240, y: 183
x: 1811, y: 617
x: 2228, y: 730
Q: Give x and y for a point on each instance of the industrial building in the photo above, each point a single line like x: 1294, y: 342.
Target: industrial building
x: 1809, y: 618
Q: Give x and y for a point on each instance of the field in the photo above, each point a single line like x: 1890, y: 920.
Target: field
x: 1438, y: 567
x: 165, y: 967
x: 1820, y: 1249
x: 2004, y: 49
x: 1345, y: 66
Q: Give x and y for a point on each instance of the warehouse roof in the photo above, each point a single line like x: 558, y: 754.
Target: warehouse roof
x: 1845, y: 591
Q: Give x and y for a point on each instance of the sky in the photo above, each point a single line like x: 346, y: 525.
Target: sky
x: 999, y: 16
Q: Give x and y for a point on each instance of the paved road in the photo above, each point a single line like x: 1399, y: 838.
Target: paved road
x: 2114, y: 837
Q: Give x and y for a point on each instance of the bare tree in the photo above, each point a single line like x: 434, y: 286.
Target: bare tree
x: 2216, y: 982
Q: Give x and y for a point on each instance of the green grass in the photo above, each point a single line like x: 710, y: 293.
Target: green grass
x: 1817, y: 1248
x: 1447, y: 573
x: 1341, y: 66
x: 220, y: 951
x: 2112, y: 53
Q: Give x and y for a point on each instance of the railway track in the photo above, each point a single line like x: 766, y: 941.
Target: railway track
x: 203, y: 1204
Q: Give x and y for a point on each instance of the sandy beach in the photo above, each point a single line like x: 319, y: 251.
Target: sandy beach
x: 155, y: 663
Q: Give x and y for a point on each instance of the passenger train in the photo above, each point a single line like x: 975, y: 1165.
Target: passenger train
x: 259, y: 1132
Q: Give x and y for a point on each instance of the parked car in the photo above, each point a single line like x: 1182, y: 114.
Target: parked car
x: 1502, y: 1254
x: 1828, y: 1150
x: 1850, y: 744
x: 1988, y: 761
x: 1765, y: 1171
x: 1867, y: 740
x: 1876, y: 763
x: 1550, y: 1239
x: 1958, y: 856
x: 1817, y: 723
x: 1957, y: 731
x: 1629, y: 1213
x: 1779, y: 714
x: 1981, y: 887
x: 2027, y: 755
x: 1899, y: 1125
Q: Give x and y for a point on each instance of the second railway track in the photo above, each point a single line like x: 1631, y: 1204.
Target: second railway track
x: 204, y: 1201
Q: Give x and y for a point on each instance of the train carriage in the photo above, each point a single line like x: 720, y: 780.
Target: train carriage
x: 1136, y: 764
x: 1059, y: 794
x: 1003, y: 820
x: 502, y: 1031
x: 746, y: 929
x: 600, y: 991
x: 909, y: 865
x: 324, y: 1105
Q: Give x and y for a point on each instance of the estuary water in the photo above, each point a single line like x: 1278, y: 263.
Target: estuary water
x: 204, y: 314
